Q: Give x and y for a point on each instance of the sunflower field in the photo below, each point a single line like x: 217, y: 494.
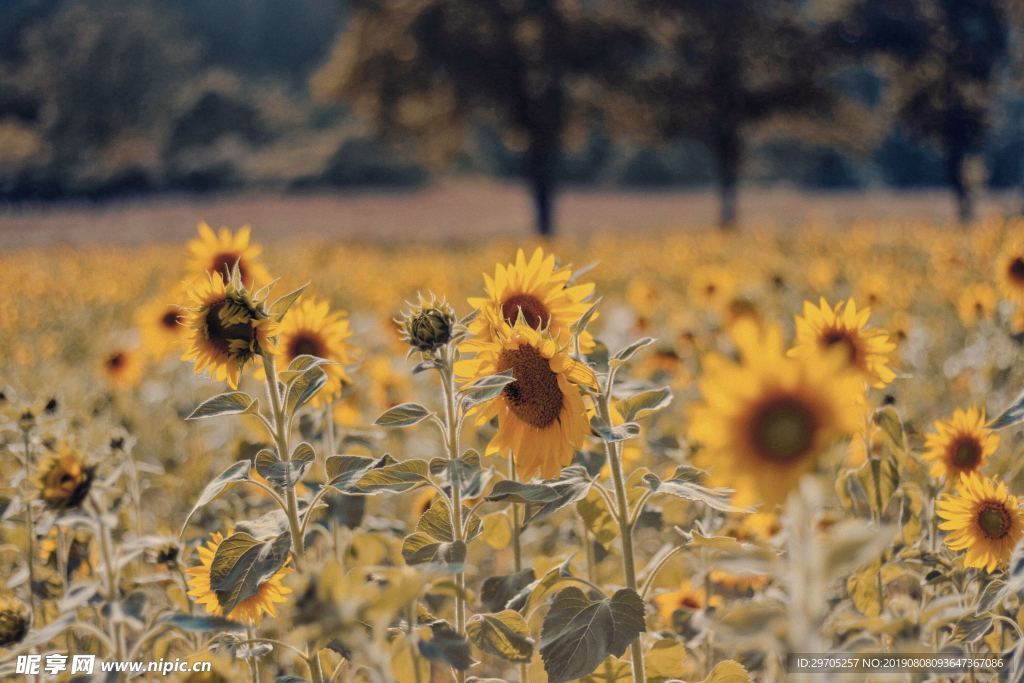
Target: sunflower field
x: 690, y: 456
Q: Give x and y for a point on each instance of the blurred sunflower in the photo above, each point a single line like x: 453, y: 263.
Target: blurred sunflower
x: 540, y: 291
x: 228, y: 328
x: 541, y: 416
x: 217, y: 253
x: 250, y: 610
x: 64, y: 479
x: 765, y: 420
x: 122, y: 368
x: 161, y: 327
x: 686, y: 597
x: 976, y: 303
x: 1010, y: 270
x: 311, y: 328
x: 960, y: 445
x: 824, y: 327
x: 712, y: 287
x: 15, y: 620
x: 983, y: 519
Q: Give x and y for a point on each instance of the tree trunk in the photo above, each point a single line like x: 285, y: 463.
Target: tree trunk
x: 963, y: 190
x: 543, y: 156
x: 729, y: 152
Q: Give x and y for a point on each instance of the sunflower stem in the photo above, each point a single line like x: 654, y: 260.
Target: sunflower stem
x: 254, y: 667
x: 623, y: 519
x: 452, y: 424
x: 517, y: 550
x: 281, y: 440
x: 30, y: 527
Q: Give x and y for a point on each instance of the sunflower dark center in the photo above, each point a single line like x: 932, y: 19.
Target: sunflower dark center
x: 966, y: 453
x: 535, y: 396
x: 534, y: 311
x: 690, y: 602
x: 223, y: 335
x: 171, y: 319
x: 305, y: 344
x: 832, y: 338
x: 1016, y: 269
x: 994, y: 520
x: 783, y: 429
x: 115, y: 361
x: 223, y: 263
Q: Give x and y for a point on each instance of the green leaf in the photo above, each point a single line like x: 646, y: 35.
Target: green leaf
x: 448, y: 647
x: 401, y: 476
x: 436, y: 522
x: 599, y: 520
x: 683, y: 484
x: 239, y: 471
x: 242, y: 564
x: 571, y: 485
x: 403, y: 415
x: 279, y: 308
x: 1011, y: 416
x: 888, y: 420
x: 200, y: 624
x: 284, y: 474
x: 304, y: 387
x: 851, y: 544
x: 486, y: 388
x: 644, y: 403
x: 625, y: 354
x: 231, y: 403
x: 580, y: 325
x: 299, y: 365
x: 343, y: 469
x: 522, y: 493
x: 880, y: 478
x: 504, y: 634
x: 578, y: 633
x: 497, y: 591
x: 421, y: 548
x: 621, y: 432
x: 728, y: 671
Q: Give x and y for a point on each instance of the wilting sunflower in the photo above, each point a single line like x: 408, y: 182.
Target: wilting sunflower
x: 250, y: 610
x: 1010, y: 270
x: 983, y: 519
x: 311, y: 328
x: 15, y: 620
x: 227, y: 328
x: 541, y: 416
x: 825, y: 327
x: 64, y: 478
x: 765, y: 420
x: 162, y: 328
x: 217, y: 253
x: 540, y: 291
x: 122, y: 368
x: 960, y: 445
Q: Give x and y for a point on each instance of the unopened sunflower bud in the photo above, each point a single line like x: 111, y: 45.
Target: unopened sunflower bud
x: 15, y: 619
x: 429, y: 325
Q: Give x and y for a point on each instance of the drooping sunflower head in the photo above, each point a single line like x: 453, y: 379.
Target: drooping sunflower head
x: 162, y: 328
x: 541, y: 415
x: 540, y: 291
x: 311, y: 328
x: 218, y: 253
x: 1010, y: 270
x: 227, y: 328
x: 982, y: 519
x: 764, y: 421
x: 15, y: 620
x: 64, y: 478
x: 824, y: 328
x: 250, y: 610
x: 122, y: 368
x: 960, y: 445
x: 428, y: 325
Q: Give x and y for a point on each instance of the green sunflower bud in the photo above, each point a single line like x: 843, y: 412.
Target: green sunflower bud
x: 429, y: 325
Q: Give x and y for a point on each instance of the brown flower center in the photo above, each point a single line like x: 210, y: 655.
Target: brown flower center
x: 222, y: 335
x: 171, y: 319
x: 834, y: 337
x: 994, y: 520
x: 1016, y: 269
x: 534, y: 311
x: 535, y: 396
x: 965, y: 453
x: 783, y: 429
x: 305, y: 344
x: 690, y: 602
x: 223, y: 262
x: 115, y: 361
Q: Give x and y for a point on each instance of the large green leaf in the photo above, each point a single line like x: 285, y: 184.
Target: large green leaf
x: 497, y: 591
x: 643, y: 403
x: 239, y: 471
x: 304, y: 388
x: 571, y: 485
x: 403, y: 415
x: 421, y: 548
x: 578, y: 633
x: 394, y: 478
x: 685, y: 483
x: 242, y: 564
x: 230, y: 403
x: 504, y: 634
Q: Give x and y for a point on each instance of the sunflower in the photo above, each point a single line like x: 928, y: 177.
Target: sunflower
x: 712, y: 287
x: 269, y: 593
x: 217, y: 253
x: 161, y: 327
x: 976, y: 303
x: 687, y: 597
x: 311, y: 328
x: 540, y: 291
x: 64, y: 479
x: 228, y: 328
x: 541, y: 416
x: 983, y: 519
x: 15, y: 620
x: 960, y: 445
x: 824, y: 327
x: 122, y: 368
x: 1010, y: 270
x: 765, y: 420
